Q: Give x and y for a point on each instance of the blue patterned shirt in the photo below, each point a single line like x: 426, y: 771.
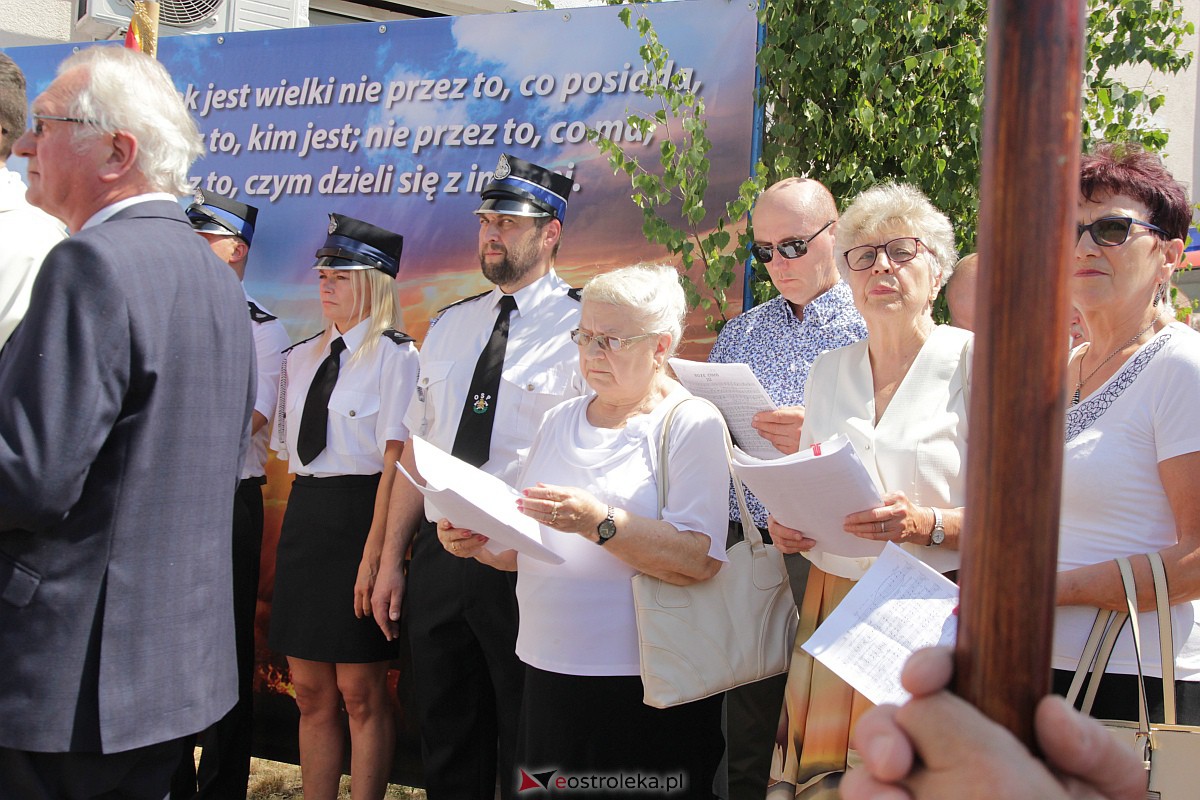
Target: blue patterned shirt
x: 780, y: 349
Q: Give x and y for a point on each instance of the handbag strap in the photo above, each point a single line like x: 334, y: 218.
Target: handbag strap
x: 1104, y: 629
x: 749, y: 529
x: 1131, y: 603
x: 1166, y: 639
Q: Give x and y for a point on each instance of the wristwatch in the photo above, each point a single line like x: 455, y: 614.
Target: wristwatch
x: 606, y: 529
x: 938, y: 534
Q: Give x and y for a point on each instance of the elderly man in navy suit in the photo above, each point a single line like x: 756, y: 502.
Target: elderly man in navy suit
x: 127, y: 396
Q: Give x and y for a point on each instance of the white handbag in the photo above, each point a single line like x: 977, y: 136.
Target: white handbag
x: 732, y: 629
x: 1169, y: 751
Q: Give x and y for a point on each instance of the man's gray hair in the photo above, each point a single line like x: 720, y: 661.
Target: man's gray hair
x: 898, y: 205
x: 126, y: 90
x: 652, y: 294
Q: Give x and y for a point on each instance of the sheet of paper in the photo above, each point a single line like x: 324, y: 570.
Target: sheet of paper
x: 900, y: 606
x: 814, y: 493
x: 471, y: 498
x: 734, y: 389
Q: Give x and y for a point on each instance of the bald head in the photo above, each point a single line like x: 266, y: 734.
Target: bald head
x: 799, y: 195
x: 792, y: 210
x: 962, y: 290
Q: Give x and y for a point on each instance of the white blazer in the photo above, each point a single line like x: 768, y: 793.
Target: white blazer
x: 919, y: 446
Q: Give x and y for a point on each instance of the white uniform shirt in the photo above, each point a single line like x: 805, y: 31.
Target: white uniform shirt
x: 270, y: 340
x: 366, y: 408
x: 919, y: 446
x: 577, y: 618
x: 1113, y: 503
x: 541, y: 369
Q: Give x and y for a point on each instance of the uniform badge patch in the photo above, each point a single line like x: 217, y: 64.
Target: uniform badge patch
x: 503, y: 170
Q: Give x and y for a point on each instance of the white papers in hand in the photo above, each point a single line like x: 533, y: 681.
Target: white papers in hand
x: 900, y: 606
x: 813, y: 493
x: 736, y: 392
x: 473, y: 499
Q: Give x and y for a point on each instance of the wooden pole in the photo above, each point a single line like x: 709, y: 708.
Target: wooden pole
x: 1028, y: 201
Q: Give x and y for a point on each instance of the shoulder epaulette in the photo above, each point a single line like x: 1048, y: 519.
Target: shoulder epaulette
x: 399, y: 337
x: 258, y: 314
x: 460, y: 302
x: 575, y: 294
x: 302, y: 341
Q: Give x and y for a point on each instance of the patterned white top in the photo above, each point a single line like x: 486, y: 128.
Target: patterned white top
x: 1113, y: 502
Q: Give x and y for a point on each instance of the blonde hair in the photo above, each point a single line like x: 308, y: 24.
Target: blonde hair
x: 375, y: 295
x: 898, y: 205
x: 651, y: 292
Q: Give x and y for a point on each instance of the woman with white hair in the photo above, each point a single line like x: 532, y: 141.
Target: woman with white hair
x: 900, y: 396
x: 591, y: 478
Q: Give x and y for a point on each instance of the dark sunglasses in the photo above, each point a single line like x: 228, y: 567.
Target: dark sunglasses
x: 1113, y: 231
x: 792, y: 248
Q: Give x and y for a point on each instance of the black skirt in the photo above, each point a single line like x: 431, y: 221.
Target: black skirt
x: 316, y: 565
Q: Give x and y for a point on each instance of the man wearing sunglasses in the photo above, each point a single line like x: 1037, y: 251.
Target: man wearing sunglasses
x: 28, y: 233
x: 793, y: 223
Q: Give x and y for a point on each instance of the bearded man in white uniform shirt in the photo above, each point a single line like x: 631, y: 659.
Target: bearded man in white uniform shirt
x: 462, y: 615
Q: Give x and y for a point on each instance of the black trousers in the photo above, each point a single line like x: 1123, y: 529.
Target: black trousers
x: 752, y: 712
x: 1117, y: 697
x: 225, y: 762
x: 140, y: 774
x: 594, y: 732
x: 462, y: 622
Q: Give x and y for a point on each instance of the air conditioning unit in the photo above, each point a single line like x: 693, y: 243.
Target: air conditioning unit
x: 101, y: 19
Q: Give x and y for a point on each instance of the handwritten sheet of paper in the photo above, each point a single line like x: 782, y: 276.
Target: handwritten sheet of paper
x: 736, y: 392
x: 814, y: 493
x: 900, y: 606
x: 478, y: 501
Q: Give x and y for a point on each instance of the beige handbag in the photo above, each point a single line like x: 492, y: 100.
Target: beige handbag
x: 734, y: 628
x: 1170, y: 752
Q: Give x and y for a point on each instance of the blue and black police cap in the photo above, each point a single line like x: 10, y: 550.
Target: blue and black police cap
x: 523, y: 189
x: 212, y: 213
x: 354, y: 244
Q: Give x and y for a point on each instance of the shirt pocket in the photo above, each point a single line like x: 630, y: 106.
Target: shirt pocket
x: 352, y: 418
x: 540, y: 388
x: 431, y: 385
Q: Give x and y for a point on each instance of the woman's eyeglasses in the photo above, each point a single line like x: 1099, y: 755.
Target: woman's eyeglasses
x: 792, y: 248
x: 1113, y: 231
x: 899, y: 251
x: 609, y: 344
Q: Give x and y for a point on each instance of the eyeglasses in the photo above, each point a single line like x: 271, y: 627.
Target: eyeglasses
x: 1113, y: 231
x: 609, y: 344
x: 38, y: 119
x: 792, y: 248
x: 899, y: 251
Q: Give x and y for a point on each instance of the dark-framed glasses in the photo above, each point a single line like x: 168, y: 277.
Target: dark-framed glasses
x: 38, y: 119
x: 1113, y: 231
x: 899, y: 251
x: 792, y: 248
x: 609, y: 344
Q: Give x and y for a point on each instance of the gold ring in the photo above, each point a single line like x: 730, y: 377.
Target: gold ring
x: 881, y: 527
x: 554, y: 515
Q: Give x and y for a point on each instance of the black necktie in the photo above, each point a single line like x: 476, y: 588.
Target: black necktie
x: 473, y: 442
x: 314, y: 423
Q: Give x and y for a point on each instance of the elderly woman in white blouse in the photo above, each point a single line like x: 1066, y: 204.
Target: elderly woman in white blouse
x: 900, y: 396
x: 591, y: 477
